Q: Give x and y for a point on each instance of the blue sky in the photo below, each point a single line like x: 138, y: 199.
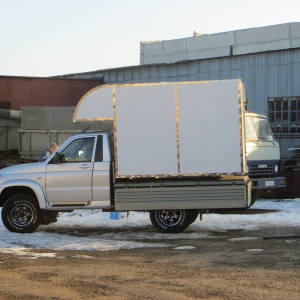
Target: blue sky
x: 54, y: 37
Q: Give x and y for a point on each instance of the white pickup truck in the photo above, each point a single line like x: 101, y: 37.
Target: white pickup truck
x: 173, y: 165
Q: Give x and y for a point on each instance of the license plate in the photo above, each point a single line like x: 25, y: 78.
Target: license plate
x: 269, y: 183
x: 262, y: 166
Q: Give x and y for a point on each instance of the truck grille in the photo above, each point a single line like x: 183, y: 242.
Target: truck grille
x: 255, y: 170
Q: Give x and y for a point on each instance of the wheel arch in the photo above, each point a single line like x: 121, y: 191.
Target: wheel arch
x: 30, y: 188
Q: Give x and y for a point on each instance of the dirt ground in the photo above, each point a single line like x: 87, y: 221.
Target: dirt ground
x: 236, y: 264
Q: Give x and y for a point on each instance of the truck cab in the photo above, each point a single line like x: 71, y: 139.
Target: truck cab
x: 263, y: 153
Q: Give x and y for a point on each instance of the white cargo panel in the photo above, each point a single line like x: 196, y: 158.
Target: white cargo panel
x: 173, y: 129
x: 146, y: 130
x: 209, y: 130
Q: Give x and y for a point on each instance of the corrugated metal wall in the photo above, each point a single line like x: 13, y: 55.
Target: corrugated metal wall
x: 267, y: 74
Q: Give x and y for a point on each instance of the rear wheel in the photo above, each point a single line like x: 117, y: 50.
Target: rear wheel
x: 20, y: 213
x: 170, y: 220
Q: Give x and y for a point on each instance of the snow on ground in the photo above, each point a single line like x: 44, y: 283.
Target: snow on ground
x: 95, y: 230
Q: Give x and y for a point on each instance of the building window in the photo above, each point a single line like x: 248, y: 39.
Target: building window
x: 284, y: 115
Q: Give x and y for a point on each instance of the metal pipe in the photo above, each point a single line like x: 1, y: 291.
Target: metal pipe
x: 10, y: 114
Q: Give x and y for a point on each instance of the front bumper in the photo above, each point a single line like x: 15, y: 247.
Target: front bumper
x: 268, y: 183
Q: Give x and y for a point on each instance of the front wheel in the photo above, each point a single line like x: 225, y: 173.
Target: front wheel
x: 170, y: 220
x: 20, y: 213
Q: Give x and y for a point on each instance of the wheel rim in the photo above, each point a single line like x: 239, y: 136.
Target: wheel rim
x: 22, y: 215
x: 170, y: 217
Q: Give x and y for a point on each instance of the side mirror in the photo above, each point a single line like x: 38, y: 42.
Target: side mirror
x: 57, y: 158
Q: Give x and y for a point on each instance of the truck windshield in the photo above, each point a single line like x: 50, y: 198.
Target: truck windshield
x: 258, y: 129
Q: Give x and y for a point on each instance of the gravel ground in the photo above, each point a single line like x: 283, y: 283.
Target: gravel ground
x: 236, y: 264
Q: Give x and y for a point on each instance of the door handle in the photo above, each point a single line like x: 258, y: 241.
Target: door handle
x: 84, y: 166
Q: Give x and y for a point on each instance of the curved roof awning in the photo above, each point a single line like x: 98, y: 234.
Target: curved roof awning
x: 95, y: 105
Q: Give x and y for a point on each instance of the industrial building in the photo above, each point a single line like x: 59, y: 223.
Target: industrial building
x: 267, y: 59
x: 21, y: 92
x: 16, y: 92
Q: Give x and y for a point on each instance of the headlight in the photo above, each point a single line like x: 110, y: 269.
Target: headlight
x: 276, y: 168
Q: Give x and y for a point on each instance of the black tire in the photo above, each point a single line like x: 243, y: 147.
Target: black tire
x: 170, y: 220
x: 193, y: 215
x: 21, y: 214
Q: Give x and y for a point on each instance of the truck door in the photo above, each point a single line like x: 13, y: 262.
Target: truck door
x: 70, y: 181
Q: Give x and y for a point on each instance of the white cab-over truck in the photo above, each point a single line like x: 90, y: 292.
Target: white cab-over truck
x: 172, y: 151
x: 263, y: 155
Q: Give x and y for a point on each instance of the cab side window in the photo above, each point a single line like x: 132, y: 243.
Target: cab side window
x: 80, y: 150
